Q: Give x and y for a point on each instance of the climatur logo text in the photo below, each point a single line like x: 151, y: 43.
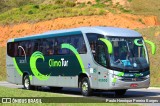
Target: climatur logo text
x: 61, y: 63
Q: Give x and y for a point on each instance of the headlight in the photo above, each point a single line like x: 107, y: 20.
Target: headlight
x: 148, y: 76
x: 117, y: 77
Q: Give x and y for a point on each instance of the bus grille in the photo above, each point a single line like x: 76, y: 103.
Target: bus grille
x: 133, y: 79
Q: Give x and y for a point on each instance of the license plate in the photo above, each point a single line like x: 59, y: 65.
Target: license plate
x: 134, y: 85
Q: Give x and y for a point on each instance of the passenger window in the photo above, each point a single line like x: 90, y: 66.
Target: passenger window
x: 31, y: 47
x: 46, y: 46
x: 43, y: 46
x: 35, y: 46
x: 15, y: 49
x: 101, y: 55
x: 98, y: 48
x: 28, y: 46
x: 59, y: 41
x: 93, y: 39
x: 50, y: 48
x: 11, y: 49
x: 79, y: 44
x: 21, y: 49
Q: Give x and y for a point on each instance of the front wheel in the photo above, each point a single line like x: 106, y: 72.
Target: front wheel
x: 85, y: 87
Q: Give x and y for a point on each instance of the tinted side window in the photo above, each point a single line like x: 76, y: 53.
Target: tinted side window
x: 93, y: 41
x: 34, y: 45
x: 11, y: 49
x: 52, y: 46
x: 98, y: 48
x: 22, y: 48
x: 49, y: 46
x: 30, y: 47
x: 46, y: 46
x: 43, y: 46
x: 59, y: 42
x: 16, y: 49
x: 78, y: 42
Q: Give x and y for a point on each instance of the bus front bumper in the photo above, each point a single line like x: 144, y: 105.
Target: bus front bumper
x: 119, y: 84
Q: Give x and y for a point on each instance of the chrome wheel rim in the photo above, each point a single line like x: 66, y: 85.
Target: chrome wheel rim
x: 26, y: 83
x: 85, y: 87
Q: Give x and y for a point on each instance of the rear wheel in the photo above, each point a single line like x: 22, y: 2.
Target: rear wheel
x: 120, y: 92
x: 26, y: 83
x: 85, y: 87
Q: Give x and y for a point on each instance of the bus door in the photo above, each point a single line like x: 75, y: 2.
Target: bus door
x: 101, y: 57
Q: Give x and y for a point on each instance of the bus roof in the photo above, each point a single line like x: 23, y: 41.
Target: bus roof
x: 106, y: 31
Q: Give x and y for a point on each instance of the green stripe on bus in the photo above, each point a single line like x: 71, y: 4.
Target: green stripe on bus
x: 114, y: 80
x: 17, y: 68
x: 37, y: 55
x: 30, y: 78
x: 120, y: 74
x: 108, y: 44
x: 70, y: 47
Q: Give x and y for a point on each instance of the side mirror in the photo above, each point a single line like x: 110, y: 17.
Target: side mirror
x: 108, y: 44
x: 146, y: 41
x: 152, y: 45
x: 136, y: 42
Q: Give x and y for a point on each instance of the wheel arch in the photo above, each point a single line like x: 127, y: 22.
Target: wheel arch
x: 81, y: 76
x: 24, y: 74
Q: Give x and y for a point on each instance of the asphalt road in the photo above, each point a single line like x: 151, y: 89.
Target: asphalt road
x: 131, y: 93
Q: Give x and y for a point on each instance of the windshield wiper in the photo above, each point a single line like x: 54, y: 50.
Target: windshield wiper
x: 136, y: 60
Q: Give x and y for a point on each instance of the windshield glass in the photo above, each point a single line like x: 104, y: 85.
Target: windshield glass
x: 128, y: 53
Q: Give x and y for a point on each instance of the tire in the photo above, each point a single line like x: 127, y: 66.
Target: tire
x: 26, y: 83
x: 120, y: 92
x: 55, y: 88
x: 85, y: 87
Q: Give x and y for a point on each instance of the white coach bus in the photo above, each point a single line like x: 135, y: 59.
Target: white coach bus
x: 90, y: 58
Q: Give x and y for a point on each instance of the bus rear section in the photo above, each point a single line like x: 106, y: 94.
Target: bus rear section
x: 14, y: 75
x: 54, y: 60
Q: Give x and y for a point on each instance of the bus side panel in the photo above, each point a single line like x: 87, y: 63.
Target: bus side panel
x: 18, y: 77
x: 90, y: 65
x: 10, y: 70
x: 53, y: 69
x: 12, y: 74
x: 58, y: 81
x: 70, y: 81
x: 103, y: 78
x: 90, y: 68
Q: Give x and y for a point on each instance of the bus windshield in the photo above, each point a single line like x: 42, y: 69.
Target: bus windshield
x: 128, y: 53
